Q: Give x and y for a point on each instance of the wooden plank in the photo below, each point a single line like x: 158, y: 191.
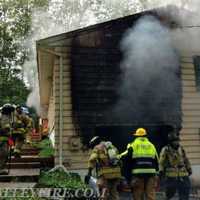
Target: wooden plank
x: 190, y: 149
x: 78, y: 159
x: 189, y: 89
x: 191, y: 113
x: 191, y: 95
x: 79, y: 154
x: 186, y: 83
x: 66, y: 61
x: 191, y: 143
x: 67, y: 133
x: 190, y: 137
x: 188, y: 71
x: 65, y: 113
x: 187, y: 77
x: 185, y: 131
x: 63, y: 49
x: 191, y: 100
x: 191, y: 125
x: 66, y: 74
x: 66, y: 69
x: 66, y: 81
x: 79, y: 166
x: 195, y: 161
x: 194, y: 155
x: 191, y: 106
x: 65, y: 94
x: 188, y: 64
x: 191, y: 119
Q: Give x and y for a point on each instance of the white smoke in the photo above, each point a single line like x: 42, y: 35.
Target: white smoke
x: 63, y: 16
x: 42, y: 26
x: 33, y: 98
x: 186, y: 13
x: 150, y: 73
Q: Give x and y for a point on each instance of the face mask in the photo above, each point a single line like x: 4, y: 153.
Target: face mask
x: 175, y: 144
x: 19, y: 112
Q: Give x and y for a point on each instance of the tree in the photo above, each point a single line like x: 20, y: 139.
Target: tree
x: 15, y: 23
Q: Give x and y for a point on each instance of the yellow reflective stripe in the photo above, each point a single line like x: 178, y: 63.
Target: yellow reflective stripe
x: 19, y: 130
x: 140, y: 171
x: 144, y: 156
x: 108, y: 172
x: 123, y: 154
x: 176, y: 174
x: 3, y: 138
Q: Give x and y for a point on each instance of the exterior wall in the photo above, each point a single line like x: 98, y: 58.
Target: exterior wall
x: 190, y: 134
x: 73, y: 156
x: 51, y: 114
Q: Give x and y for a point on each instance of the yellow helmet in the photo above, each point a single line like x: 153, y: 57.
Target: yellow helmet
x: 140, y: 132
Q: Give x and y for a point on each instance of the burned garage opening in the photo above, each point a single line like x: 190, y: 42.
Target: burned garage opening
x: 125, y: 74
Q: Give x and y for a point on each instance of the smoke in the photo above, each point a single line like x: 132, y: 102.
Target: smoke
x: 62, y: 16
x: 186, y: 14
x: 43, y: 25
x: 33, y: 99
x: 150, y: 82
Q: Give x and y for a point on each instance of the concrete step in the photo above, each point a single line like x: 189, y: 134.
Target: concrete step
x: 21, y: 165
x: 21, y: 175
x: 30, y: 151
x: 32, y: 158
x: 17, y: 184
x: 30, y: 162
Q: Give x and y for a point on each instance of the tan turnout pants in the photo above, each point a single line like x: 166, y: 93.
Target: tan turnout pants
x: 108, y: 188
x: 144, y: 186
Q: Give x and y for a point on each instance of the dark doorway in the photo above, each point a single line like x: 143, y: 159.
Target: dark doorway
x: 122, y: 135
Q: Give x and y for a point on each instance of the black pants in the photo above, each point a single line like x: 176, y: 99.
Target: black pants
x: 181, y: 185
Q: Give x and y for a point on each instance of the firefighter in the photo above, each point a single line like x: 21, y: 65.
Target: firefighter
x: 175, y: 167
x: 30, y: 125
x: 21, y: 126
x: 5, y: 129
x: 144, y: 166
x: 104, y: 158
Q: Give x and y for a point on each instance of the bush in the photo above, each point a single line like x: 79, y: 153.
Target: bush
x: 61, y: 179
x: 46, y: 148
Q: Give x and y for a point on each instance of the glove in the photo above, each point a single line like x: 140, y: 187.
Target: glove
x: 87, y: 179
x: 161, y: 175
x: 190, y: 172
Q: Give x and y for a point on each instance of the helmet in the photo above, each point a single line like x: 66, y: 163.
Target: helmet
x: 94, y: 141
x: 7, y: 108
x: 140, y: 132
x: 25, y: 110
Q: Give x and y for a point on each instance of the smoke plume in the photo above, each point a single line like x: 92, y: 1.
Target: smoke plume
x: 150, y: 82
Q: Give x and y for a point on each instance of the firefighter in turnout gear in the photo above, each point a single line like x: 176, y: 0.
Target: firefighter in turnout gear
x: 104, y: 158
x: 175, y: 168
x: 5, y: 131
x: 21, y: 126
x: 144, y: 166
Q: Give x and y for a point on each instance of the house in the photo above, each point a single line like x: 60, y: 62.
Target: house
x: 79, y: 75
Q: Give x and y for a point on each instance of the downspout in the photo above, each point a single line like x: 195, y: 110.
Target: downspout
x: 60, y: 107
x: 61, y: 112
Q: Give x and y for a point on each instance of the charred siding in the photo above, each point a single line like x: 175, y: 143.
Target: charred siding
x: 95, y: 78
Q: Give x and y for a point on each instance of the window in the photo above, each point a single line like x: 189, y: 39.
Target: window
x: 196, y: 60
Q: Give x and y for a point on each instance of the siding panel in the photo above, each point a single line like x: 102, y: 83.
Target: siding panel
x: 190, y: 134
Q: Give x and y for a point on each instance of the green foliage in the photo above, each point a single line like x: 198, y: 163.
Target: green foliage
x: 46, y: 148
x: 60, y: 179
x: 15, y: 26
